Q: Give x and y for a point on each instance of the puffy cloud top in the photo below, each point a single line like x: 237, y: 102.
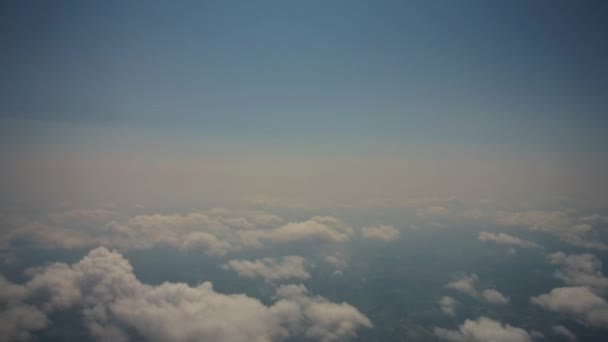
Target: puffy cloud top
x: 484, y: 329
x: 102, y: 285
x: 579, y: 302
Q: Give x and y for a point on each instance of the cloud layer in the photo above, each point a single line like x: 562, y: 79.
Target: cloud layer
x: 214, y: 232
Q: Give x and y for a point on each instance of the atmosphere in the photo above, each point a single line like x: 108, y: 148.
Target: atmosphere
x: 303, y: 170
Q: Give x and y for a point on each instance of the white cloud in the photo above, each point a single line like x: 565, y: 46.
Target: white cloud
x: 270, y: 269
x: 564, y: 332
x: 330, y: 321
x: 206, y: 243
x: 318, y: 228
x: 506, y: 239
x: 102, y: 285
x: 580, y: 270
x: 494, y: 297
x: 448, y: 305
x: 215, y: 232
x: 565, y: 224
x: 560, y: 223
x: 484, y: 329
x: 578, y: 302
x: 380, y: 232
x: 17, y: 322
x: 465, y: 284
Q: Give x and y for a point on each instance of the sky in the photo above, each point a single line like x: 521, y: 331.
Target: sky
x: 487, y: 82
x: 313, y: 141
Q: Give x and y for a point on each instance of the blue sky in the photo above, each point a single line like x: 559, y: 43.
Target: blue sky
x: 500, y: 91
x: 475, y: 72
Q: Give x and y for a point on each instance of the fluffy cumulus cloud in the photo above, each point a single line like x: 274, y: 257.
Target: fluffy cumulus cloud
x: 578, y: 302
x: 318, y: 228
x: 380, y: 232
x: 484, y: 329
x: 327, y: 321
x: 448, y: 305
x: 114, y: 304
x: 467, y: 284
x: 506, y: 239
x: 270, y: 269
x: 564, y: 333
x: 582, y: 299
x: 580, y: 270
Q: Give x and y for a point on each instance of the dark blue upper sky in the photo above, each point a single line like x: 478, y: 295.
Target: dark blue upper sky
x: 504, y: 72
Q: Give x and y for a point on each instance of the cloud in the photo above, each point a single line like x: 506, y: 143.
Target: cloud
x: 560, y: 223
x: 506, y: 239
x: 580, y: 270
x: 564, y: 332
x: 564, y: 224
x: 113, y: 302
x: 494, y: 297
x: 10, y: 292
x: 380, y: 232
x: 448, y: 305
x: 465, y: 284
x: 337, y: 259
x: 330, y: 321
x: 484, y: 329
x: 214, y: 232
x: 578, y: 302
x: 595, y: 218
x: 318, y: 228
x: 270, y: 269
x: 17, y: 322
x: 583, y: 235
x: 206, y: 242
